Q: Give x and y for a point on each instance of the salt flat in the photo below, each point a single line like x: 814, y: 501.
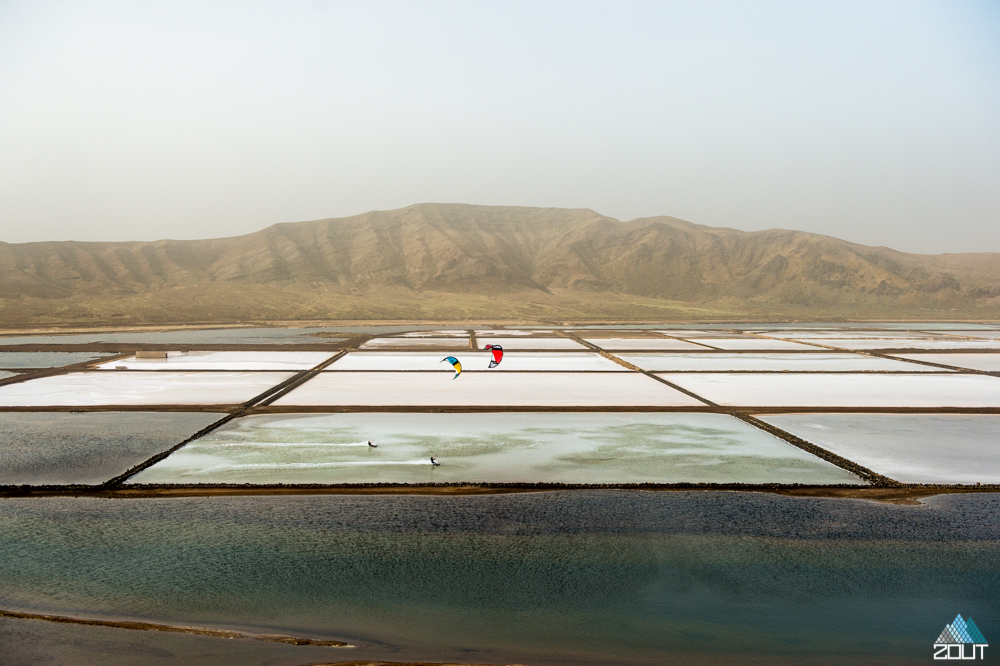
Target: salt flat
x: 383, y: 343
x: 984, y: 362
x: 754, y: 344
x: 224, y: 360
x: 855, y: 334
x: 476, y: 361
x: 912, y: 448
x: 529, y: 343
x: 776, y: 362
x: 525, y: 447
x: 139, y: 388
x: 615, y: 344
x: 939, y: 343
x: 485, y: 389
x: 805, y: 390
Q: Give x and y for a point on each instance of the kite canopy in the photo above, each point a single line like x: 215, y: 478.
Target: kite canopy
x: 497, y: 354
x: 455, y: 364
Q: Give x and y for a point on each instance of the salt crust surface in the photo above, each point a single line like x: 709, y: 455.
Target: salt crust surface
x: 613, y: 344
x: 475, y: 361
x: 483, y: 389
x: 139, y: 388
x: 225, y: 360
x: 736, y: 344
x: 804, y: 390
x: 912, y: 448
x: 776, y: 362
x: 384, y: 343
x: 851, y: 334
x: 529, y: 343
x: 944, y: 343
x: 984, y: 362
x: 526, y: 447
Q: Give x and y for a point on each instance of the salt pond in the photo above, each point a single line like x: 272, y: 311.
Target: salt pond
x: 807, y: 390
x: 924, y: 343
x: 234, y: 336
x: 591, y: 577
x: 912, y: 448
x: 769, y: 363
x: 542, y: 389
x: 984, y: 362
x: 13, y: 360
x: 475, y: 361
x: 613, y: 344
x: 754, y: 344
x: 5, y: 375
x: 224, y: 360
x: 380, y: 343
x: 57, y: 448
x: 526, y: 447
x: 529, y: 343
x: 139, y: 388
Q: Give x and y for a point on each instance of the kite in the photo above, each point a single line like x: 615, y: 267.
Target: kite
x: 497, y: 354
x: 455, y: 363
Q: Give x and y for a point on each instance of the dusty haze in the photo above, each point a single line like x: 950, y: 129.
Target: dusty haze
x: 875, y: 122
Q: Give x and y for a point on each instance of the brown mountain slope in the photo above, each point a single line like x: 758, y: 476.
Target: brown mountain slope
x: 453, y: 260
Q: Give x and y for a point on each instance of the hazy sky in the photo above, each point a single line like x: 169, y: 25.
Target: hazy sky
x: 878, y: 122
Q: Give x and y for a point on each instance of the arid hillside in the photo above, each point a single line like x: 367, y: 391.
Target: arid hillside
x: 449, y: 261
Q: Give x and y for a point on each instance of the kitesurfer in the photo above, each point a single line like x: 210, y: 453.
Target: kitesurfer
x: 371, y: 445
x: 435, y: 462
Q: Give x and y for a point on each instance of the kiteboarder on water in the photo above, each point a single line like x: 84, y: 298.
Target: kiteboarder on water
x: 371, y: 445
x: 435, y: 462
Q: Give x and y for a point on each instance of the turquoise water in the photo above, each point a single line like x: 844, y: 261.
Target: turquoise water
x: 619, y: 577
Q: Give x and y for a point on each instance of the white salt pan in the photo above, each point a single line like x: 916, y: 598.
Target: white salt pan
x: 769, y: 363
x: 140, y: 388
x: 224, y: 360
x: 485, y: 388
x: 804, y: 390
x: 941, y: 343
x: 912, y: 448
x: 381, y: 343
x: 613, y: 344
x: 529, y: 343
x: 762, y: 344
x: 984, y: 362
x: 475, y: 361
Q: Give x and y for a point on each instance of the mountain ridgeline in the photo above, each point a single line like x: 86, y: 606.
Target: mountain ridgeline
x: 450, y: 261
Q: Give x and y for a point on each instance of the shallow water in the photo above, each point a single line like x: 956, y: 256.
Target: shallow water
x: 45, y: 359
x: 224, y: 360
x: 507, y: 447
x: 583, y: 577
x: 912, y: 448
x: 39, y: 448
x: 235, y: 336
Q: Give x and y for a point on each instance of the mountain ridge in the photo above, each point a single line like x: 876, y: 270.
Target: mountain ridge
x: 571, y: 262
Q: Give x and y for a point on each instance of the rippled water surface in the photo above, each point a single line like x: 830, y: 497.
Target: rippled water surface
x: 571, y: 577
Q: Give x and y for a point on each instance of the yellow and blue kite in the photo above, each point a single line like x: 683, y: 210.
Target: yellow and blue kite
x: 455, y: 364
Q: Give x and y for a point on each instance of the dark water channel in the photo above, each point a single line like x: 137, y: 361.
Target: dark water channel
x: 614, y: 577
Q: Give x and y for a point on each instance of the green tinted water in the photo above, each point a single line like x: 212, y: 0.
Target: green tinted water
x: 604, y: 577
